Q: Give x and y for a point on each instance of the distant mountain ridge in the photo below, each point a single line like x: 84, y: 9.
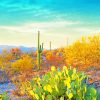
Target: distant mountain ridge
x: 22, y: 48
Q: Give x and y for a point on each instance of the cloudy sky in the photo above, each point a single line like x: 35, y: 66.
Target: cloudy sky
x: 57, y: 20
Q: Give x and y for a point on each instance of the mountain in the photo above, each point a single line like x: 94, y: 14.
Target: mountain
x: 27, y: 49
x: 22, y: 48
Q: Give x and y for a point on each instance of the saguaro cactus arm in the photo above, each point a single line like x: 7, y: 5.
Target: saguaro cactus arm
x: 42, y: 46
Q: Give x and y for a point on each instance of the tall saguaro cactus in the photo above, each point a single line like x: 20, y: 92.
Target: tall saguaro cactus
x: 50, y: 45
x: 39, y: 51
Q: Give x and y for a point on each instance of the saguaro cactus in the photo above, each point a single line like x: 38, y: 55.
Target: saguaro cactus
x: 39, y: 51
x: 50, y: 45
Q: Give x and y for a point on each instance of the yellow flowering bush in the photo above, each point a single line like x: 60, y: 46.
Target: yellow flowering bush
x: 23, y: 64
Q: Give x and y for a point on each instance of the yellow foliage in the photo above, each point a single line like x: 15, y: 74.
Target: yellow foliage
x: 35, y: 96
x: 70, y: 95
x: 53, y: 68
x: 23, y: 64
x: 84, y: 52
x: 67, y: 82
x: 48, y: 88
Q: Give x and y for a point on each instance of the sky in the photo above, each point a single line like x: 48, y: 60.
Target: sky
x: 58, y: 21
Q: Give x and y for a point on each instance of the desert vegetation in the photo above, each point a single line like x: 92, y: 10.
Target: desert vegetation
x: 68, y: 73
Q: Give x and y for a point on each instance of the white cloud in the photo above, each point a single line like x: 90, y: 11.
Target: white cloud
x: 11, y: 28
x: 86, y: 29
x: 56, y: 31
x: 28, y: 27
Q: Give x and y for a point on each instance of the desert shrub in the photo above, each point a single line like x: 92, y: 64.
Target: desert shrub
x: 53, y: 58
x: 23, y: 64
x: 16, y: 52
x: 83, y: 53
x: 65, y: 84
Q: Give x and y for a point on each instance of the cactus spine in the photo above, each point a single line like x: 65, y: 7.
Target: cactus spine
x: 39, y: 51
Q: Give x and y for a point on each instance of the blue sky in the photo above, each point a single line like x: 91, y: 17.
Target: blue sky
x: 58, y: 20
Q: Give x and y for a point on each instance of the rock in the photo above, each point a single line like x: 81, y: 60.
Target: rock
x: 3, y: 77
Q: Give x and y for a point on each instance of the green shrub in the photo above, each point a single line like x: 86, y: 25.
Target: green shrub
x: 4, y: 96
x: 65, y: 84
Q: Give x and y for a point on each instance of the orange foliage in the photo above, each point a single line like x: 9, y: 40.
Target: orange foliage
x: 15, y: 50
x: 53, y: 58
